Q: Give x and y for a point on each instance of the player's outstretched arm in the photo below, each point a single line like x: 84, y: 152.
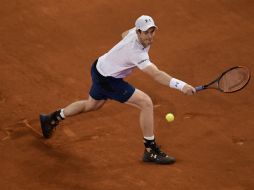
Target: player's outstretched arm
x: 158, y: 75
x: 167, y: 80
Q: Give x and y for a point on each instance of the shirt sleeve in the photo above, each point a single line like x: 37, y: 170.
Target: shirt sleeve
x: 142, y: 60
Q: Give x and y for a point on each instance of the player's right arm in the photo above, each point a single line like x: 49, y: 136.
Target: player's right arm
x: 167, y: 80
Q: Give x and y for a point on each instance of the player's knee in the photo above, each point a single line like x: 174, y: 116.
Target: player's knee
x: 93, y: 106
x: 146, y: 102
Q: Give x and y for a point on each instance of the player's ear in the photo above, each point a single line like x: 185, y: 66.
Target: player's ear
x: 138, y: 31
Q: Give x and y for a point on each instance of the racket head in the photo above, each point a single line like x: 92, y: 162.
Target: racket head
x: 234, y: 79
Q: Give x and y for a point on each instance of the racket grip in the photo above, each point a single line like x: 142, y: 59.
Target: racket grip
x: 198, y: 88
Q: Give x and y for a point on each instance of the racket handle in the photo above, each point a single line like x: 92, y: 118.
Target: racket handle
x: 198, y: 88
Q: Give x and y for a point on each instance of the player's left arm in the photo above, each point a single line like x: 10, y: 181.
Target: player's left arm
x: 167, y: 80
x: 127, y: 32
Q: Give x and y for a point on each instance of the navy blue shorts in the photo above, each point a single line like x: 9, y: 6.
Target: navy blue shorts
x: 104, y: 88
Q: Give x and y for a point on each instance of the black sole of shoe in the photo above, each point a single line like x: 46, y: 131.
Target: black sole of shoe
x: 161, y: 163
x: 42, y: 121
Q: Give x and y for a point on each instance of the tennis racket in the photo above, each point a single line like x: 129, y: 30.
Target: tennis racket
x: 231, y: 80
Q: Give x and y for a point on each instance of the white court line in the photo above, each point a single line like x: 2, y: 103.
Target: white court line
x: 7, y: 137
x: 30, y: 127
x: 69, y: 132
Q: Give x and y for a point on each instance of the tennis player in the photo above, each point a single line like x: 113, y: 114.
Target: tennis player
x: 108, y: 73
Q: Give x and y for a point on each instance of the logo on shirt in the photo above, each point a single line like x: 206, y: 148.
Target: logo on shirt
x: 142, y: 61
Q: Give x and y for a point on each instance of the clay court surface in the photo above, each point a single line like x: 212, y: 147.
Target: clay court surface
x: 46, y: 50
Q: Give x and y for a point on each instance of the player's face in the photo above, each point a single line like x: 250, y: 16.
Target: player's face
x: 146, y: 37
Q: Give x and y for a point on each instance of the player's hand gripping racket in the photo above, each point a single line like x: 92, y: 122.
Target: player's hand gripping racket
x: 231, y: 80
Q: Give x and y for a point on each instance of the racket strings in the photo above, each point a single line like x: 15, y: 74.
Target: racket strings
x: 234, y: 79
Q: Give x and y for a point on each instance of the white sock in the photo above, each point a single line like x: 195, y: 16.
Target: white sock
x: 62, y: 113
x: 149, y: 138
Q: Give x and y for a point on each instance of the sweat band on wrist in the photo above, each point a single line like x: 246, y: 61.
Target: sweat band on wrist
x: 177, y: 84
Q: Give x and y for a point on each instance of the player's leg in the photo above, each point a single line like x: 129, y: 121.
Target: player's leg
x: 49, y: 122
x: 142, y: 101
x: 152, y: 152
x: 77, y: 107
x: 95, y: 101
x: 83, y: 106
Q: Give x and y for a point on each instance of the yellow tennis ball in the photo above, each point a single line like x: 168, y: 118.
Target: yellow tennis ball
x: 170, y: 117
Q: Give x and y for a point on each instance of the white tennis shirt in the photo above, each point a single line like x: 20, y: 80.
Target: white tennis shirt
x: 128, y: 54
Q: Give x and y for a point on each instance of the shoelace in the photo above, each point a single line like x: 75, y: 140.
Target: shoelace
x: 157, y: 150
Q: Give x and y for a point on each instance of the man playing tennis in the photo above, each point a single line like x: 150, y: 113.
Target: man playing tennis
x: 107, y: 74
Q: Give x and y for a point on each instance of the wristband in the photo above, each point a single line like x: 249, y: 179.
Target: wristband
x: 177, y: 84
